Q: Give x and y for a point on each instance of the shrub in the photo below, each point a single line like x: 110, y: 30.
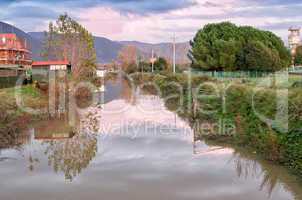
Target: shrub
x: 297, y: 84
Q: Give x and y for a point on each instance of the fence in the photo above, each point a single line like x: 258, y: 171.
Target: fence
x: 236, y: 74
x: 295, y: 70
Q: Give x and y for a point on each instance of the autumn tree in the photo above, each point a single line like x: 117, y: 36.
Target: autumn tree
x: 127, y: 58
x: 66, y: 39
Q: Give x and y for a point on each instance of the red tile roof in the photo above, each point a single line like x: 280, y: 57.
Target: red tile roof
x: 47, y: 63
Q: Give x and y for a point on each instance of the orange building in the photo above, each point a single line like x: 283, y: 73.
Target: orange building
x: 14, y: 52
x: 15, y: 60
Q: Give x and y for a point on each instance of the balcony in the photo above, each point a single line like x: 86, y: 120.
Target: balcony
x: 6, y: 47
x: 11, y: 42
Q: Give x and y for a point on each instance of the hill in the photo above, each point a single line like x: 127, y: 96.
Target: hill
x: 107, y: 50
x: 36, y: 44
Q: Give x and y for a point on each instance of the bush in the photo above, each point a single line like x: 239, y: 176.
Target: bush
x: 161, y: 64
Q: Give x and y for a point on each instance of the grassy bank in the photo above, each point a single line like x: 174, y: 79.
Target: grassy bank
x: 12, y: 118
x: 232, y: 115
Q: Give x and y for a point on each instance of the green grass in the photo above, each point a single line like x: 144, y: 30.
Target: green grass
x: 28, y: 90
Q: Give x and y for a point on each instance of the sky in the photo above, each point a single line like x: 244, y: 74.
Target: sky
x: 153, y: 20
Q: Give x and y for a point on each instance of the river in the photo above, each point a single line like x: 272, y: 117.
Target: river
x: 133, y: 148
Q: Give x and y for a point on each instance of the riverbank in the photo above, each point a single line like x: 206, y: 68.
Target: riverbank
x: 13, y: 119
x: 230, y: 112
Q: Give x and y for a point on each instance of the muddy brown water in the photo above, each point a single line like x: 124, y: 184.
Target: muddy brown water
x: 133, y: 148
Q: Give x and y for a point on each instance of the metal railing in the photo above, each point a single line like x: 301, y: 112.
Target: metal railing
x: 234, y: 74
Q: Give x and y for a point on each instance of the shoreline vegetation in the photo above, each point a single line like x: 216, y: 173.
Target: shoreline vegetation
x: 243, y: 128
x: 12, y: 118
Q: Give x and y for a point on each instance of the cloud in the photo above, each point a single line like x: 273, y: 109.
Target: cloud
x: 209, y: 4
x: 153, y: 20
x: 147, y: 7
x: 281, y: 25
x: 27, y: 15
x: 277, y: 11
x: 272, y: 2
x: 133, y: 6
x: 40, y: 11
x: 36, y: 12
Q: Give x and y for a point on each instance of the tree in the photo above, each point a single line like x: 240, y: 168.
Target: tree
x: 298, y: 56
x: 68, y: 40
x: 223, y: 47
x: 161, y: 64
x: 128, y: 58
x: 255, y: 56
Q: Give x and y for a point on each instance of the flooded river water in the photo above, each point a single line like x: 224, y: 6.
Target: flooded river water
x: 133, y: 149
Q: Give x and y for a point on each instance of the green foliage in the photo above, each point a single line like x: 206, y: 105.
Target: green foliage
x: 297, y: 84
x: 161, y: 64
x: 68, y: 40
x: 292, y: 150
x: 227, y: 47
x: 298, y: 57
x: 255, y: 56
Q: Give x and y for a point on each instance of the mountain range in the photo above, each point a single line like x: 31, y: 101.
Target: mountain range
x: 107, y: 50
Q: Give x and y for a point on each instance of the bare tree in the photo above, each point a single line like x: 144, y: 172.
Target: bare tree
x: 128, y: 57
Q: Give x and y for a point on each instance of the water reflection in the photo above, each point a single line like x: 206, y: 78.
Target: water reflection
x: 66, y: 151
x: 136, y: 150
x: 11, y: 140
x: 72, y: 155
x: 272, y: 176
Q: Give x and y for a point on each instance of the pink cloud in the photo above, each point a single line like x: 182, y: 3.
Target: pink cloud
x: 104, y: 21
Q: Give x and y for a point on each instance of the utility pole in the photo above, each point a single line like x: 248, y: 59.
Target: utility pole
x: 174, y: 54
x: 152, y: 60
